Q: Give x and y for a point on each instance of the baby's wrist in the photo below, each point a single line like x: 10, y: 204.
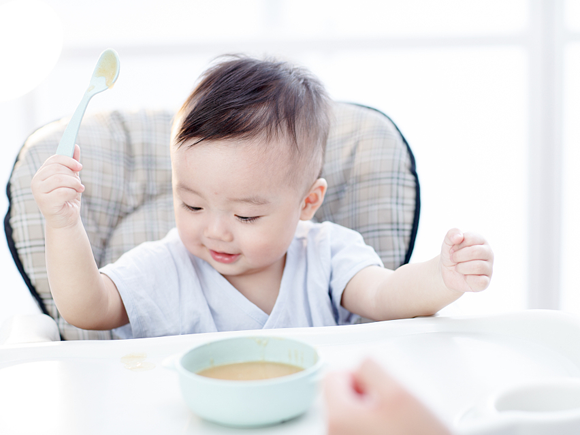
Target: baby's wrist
x: 56, y: 224
x: 439, y: 272
x: 441, y: 283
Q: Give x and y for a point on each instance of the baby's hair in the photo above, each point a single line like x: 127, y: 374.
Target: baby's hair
x: 242, y: 98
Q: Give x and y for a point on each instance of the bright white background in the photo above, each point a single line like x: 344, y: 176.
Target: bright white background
x: 486, y: 92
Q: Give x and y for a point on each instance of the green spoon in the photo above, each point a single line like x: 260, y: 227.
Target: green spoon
x: 104, y: 76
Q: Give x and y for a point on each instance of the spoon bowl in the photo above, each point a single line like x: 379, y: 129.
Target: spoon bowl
x: 105, y: 73
x: 104, y: 77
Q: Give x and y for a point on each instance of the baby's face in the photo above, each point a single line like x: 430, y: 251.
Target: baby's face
x: 234, y: 207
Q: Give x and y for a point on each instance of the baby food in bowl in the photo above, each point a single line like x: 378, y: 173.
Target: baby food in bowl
x: 250, y: 371
x: 249, y: 381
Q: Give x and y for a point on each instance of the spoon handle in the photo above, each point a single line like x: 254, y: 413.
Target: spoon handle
x: 66, y: 147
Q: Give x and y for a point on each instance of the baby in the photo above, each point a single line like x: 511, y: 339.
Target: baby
x: 247, y: 150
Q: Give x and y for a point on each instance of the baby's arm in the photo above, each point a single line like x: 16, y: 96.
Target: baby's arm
x: 422, y: 289
x: 84, y: 297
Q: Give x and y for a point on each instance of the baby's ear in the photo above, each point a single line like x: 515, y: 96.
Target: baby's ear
x: 313, y: 199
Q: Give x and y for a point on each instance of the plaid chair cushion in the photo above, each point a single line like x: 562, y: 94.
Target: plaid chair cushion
x: 373, y: 188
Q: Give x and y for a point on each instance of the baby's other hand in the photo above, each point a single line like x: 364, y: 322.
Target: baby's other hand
x: 466, y: 261
x: 57, y: 189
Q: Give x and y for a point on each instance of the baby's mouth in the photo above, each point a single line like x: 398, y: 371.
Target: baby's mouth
x: 222, y: 257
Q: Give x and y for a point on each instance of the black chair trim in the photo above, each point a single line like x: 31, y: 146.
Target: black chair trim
x: 413, y: 170
x: 12, y: 246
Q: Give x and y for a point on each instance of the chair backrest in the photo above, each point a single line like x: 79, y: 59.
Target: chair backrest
x: 372, y: 188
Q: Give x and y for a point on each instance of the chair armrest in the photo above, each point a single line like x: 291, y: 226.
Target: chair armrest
x: 28, y: 328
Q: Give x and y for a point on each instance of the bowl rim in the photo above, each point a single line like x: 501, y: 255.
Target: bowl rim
x: 307, y: 372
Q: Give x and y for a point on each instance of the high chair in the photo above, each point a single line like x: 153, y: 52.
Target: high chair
x: 372, y: 188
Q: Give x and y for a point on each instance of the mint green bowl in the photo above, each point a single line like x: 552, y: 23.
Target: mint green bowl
x: 248, y: 403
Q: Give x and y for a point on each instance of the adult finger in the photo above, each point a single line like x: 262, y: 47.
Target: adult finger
x: 393, y: 409
x: 343, y: 413
x: 373, y: 381
x: 338, y: 387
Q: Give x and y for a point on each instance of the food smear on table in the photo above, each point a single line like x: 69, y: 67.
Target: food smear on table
x: 250, y: 371
x: 136, y: 362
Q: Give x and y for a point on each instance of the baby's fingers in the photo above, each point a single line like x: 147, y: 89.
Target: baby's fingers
x: 470, y: 239
x: 77, y: 153
x: 61, y: 181
x: 476, y: 273
x: 473, y: 252
x: 452, y: 238
x: 475, y: 267
x: 58, y: 164
x: 477, y: 283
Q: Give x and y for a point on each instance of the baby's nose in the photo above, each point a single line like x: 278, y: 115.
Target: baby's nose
x: 217, y: 229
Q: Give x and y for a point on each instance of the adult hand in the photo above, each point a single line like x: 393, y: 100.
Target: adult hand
x: 370, y: 402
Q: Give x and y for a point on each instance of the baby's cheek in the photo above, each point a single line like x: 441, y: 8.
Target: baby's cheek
x: 266, y: 247
x: 271, y: 247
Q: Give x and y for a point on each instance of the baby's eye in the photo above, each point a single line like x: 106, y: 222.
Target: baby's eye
x: 191, y: 208
x: 247, y: 219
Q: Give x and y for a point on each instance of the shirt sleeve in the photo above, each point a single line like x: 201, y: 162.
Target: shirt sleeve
x: 349, y: 255
x: 146, y: 293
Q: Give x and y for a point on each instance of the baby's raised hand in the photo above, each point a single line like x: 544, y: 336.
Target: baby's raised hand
x: 466, y: 261
x: 57, y: 189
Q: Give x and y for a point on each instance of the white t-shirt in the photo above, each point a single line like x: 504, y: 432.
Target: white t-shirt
x: 168, y: 291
